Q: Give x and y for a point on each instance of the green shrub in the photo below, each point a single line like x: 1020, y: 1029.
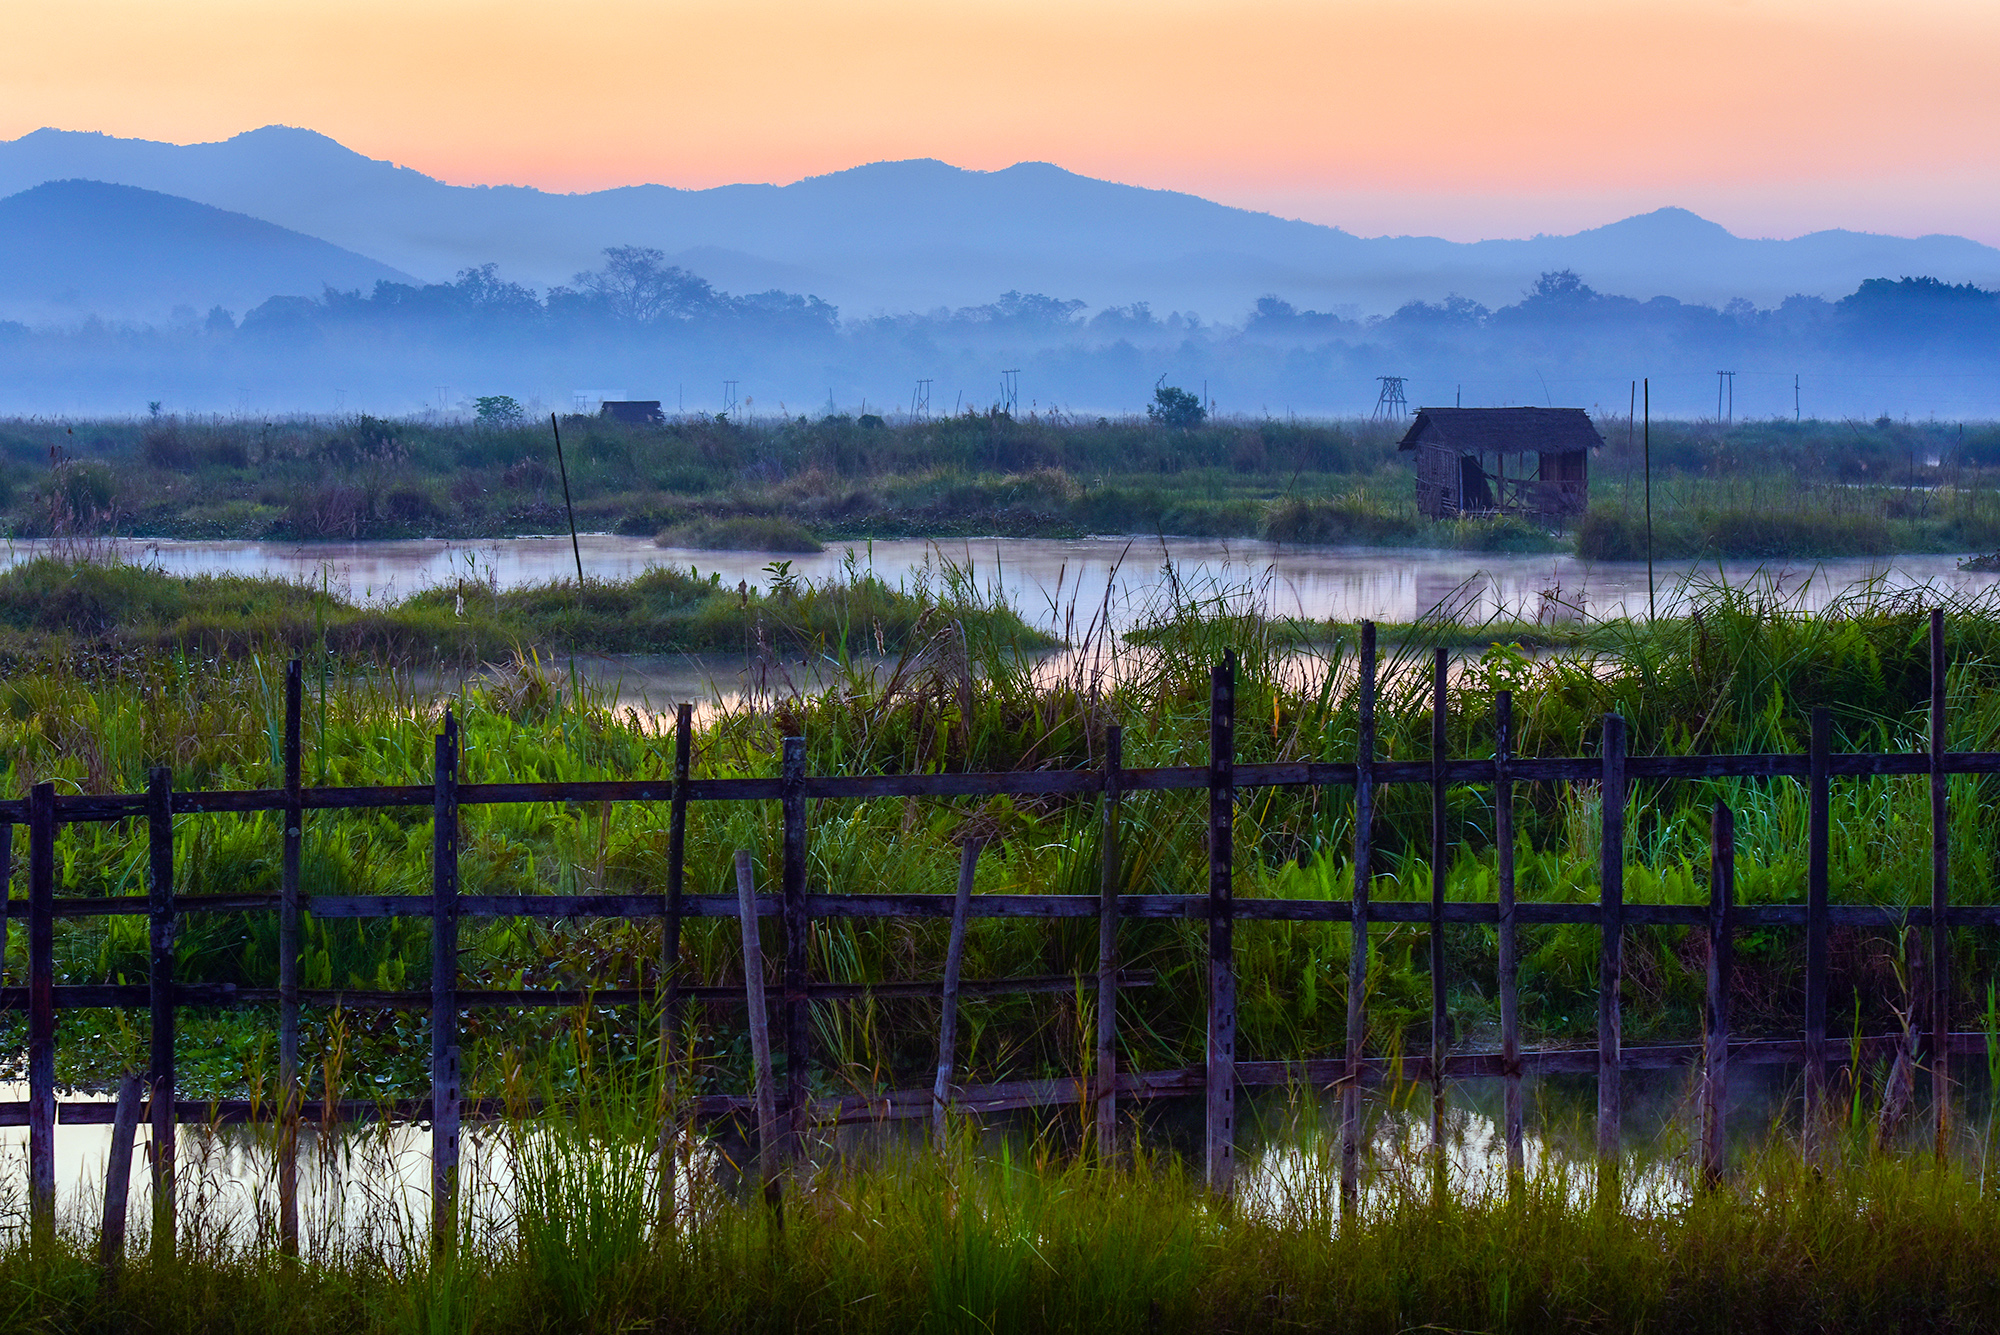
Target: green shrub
x: 740, y: 533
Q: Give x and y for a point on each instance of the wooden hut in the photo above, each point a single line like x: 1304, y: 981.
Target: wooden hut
x: 1530, y: 462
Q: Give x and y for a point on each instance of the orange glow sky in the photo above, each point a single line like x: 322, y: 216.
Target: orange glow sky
x: 1460, y: 119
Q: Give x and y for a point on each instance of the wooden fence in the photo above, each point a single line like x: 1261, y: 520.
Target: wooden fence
x: 796, y: 907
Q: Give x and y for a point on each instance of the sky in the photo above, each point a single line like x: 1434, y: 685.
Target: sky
x: 1439, y: 117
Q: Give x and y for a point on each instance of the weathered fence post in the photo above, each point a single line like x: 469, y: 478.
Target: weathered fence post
x: 289, y: 1092
x: 1357, y: 959
x: 1440, y: 860
x: 1221, y: 1047
x: 118, y: 1173
x: 798, y: 941
x: 42, y: 1013
x: 1109, y: 879
x: 1940, y: 1006
x: 764, y: 1093
x: 670, y: 967
x: 954, y: 960
x: 1507, y: 965
x: 1611, y: 957
x: 161, y: 1075
x: 1721, y: 957
x: 444, y: 989
x: 1816, y: 930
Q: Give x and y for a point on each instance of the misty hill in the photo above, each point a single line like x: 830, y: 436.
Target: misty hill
x: 911, y: 236
x: 71, y: 248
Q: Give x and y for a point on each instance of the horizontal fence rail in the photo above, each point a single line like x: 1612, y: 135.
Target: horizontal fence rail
x: 789, y: 907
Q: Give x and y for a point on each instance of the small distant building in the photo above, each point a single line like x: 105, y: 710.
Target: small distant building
x: 1533, y: 463
x: 638, y: 412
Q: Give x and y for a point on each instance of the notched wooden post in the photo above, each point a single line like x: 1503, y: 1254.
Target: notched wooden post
x: 1611, y: 958
x: 954, y: 960
x: 289, y: 1091
x: 1721, y: 959
x: 670, y: 968
x: 798, y: 943
x: 1940, y: 1007
x: 1109, y: 879
x: 1357, y: 959
x: 1440, y: 869
x: 162, y: 1079
x: 1816, y: 931
x: 42, y: 1014
x: 1221, y: 1047
x: 444, y: 990
x: 1507, y: 964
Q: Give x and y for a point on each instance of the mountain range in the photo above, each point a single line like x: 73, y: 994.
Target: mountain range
x: 287, y: 211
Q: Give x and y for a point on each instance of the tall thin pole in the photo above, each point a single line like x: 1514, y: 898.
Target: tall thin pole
x: 563, y: 468
x: 1652, y: 611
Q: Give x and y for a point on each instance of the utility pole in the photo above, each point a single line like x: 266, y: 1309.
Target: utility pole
x: 729, y: 398
x: 1722, y: 379
x: 1795, y: 398
x: 1010, y: 391
x: 1389, y: 401
x: 920, y: 402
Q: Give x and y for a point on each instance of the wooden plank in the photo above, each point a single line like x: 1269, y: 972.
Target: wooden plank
x: 1440, y: 859
x: 118, y: 1172
x: 41, y: 1016
x: 444, y: 991
x: 1611, y: 953
x: 1358, y: 916
x: 289, y: 1090
x: 1220, y: 1129
x: 1940, y: 999
x: 161, y: 1075
x: 1816, y: 931
x: 798, y: 942
x: 1721, y: 960
x: 670, y: 966
x: 1110, y: 877
x: 954, y: 960
x: 1507, y: 967
x: 763, y: 1087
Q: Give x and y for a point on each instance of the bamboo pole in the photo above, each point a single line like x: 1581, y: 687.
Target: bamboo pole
x: 1507, y: 966
x: 1220, y: 1130
x: 1611, y: 957
x: 1357, y: 959
x: 764, y: 1091
x: 954, y: 959
x: 118, y: 1173
x: 1109, y: 879
x: 1721, y: 959
x: 444, y: 990
x: 289, y: 1092
x: 162, y: 1075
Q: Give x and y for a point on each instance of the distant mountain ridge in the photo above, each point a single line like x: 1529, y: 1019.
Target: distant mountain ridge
x: 914, y: 235
x: 70, y: 249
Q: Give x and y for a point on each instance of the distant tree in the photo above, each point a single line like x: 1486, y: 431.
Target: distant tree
x: 637, y: 284
x: 1175, y: 407
x: 497, y: 409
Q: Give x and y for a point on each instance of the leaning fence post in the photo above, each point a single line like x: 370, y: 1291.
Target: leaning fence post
x: 1440, y: 1017
x: 118, y: 1172
x: 444, y: 989
x: 1721, y: 957
x: 670, y: 966
x: 289, y: 1093
x: 1221, y: 1072
x: 1357, y: 959
x: 1940, y: 895
x: 1611, y: 956
x: 42, y: 1013
x: 798, y: 940
x: 954, y: 960
x: 764, y: 1093
x: 1107, y: 948
x: 160, y: 1072
x: 1507, y: 965
x: 1816, y: 925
